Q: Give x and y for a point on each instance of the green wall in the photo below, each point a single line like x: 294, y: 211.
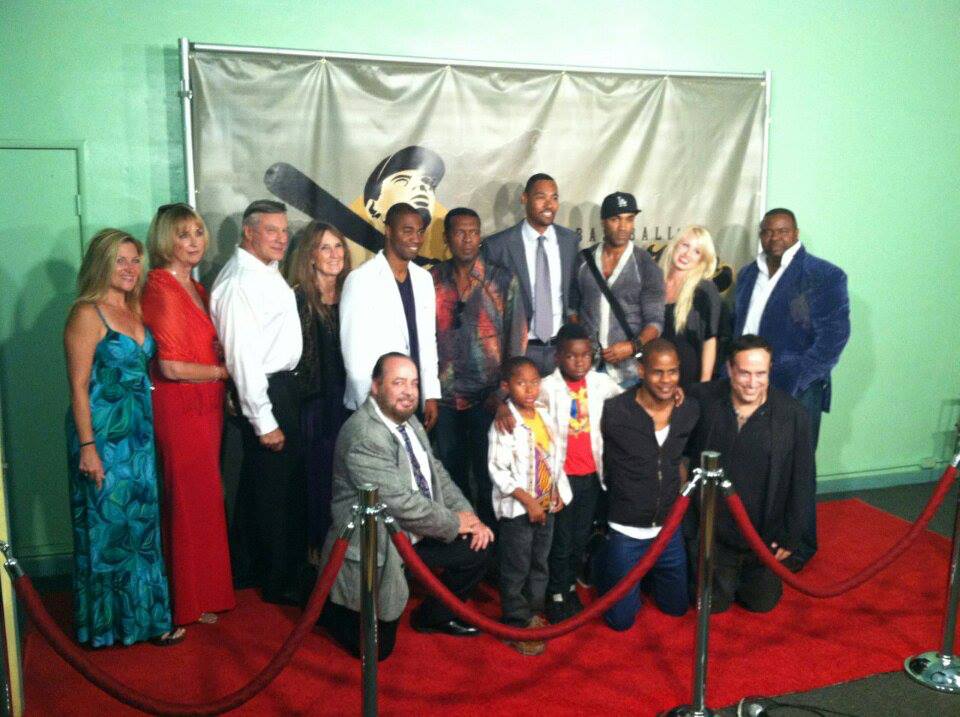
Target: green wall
x: 864, y: 145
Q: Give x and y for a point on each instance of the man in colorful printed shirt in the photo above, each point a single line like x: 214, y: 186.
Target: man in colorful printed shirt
x: 480, y: 323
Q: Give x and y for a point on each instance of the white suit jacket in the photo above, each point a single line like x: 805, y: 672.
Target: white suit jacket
x: 372, y: 323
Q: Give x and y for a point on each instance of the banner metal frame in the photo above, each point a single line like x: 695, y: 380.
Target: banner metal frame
x: 186, y: 92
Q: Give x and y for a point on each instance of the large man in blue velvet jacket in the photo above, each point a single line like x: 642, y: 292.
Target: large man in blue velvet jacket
x: 799, y: 304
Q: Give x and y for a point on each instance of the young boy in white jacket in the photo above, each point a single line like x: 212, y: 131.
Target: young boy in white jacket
x: 573, y: 396
x: 529, y: 488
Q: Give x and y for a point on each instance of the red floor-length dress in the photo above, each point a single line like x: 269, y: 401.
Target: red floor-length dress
x: 188, y: 420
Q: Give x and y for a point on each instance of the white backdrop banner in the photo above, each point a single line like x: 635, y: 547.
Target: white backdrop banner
x: 342, y: 139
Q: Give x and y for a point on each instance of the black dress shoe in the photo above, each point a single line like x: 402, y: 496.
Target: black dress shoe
x: 794, y: 563
x: 556, y: 610
x: 451, y: 627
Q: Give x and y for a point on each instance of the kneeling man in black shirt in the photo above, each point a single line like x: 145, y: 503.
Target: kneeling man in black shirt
x: 644, y: 436
x: 763, y: 436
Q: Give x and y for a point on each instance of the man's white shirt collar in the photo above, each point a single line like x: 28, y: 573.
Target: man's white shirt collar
x: 388, y: 422
x: 249, y: 260
x: 784, y: 260
x: 531, y: 234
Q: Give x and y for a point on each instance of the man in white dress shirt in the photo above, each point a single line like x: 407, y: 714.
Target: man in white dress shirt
x: 389, y: 304
x: 255, y: 313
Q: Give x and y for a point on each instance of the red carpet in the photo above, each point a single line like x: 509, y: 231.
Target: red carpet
x: 801, y: 645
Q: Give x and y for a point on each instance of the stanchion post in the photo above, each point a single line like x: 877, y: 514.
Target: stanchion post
x: 13, y: 677
x: 941, y: 670
x: 369, y: 509
x: 709, y: 476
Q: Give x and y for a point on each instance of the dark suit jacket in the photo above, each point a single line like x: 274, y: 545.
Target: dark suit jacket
x: 368, y: 452
x: 791, y: 482
x: 506, y: 249
x: 806, y: 320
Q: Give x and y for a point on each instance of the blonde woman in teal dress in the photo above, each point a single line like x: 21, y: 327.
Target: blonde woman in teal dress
x: 120, y: 586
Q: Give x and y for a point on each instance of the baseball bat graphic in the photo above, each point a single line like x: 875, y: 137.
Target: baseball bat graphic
x: 295, y: 188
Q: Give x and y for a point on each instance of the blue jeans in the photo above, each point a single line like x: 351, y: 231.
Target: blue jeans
x: 668, y: 577
x: 811, y: 398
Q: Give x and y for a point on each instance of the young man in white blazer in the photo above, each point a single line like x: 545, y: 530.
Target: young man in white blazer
x: 389, y: 304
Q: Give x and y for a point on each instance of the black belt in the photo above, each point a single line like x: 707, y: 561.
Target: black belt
x: 538, y: 342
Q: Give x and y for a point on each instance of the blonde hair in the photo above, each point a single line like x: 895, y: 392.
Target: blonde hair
x: 99, y: 263
x: 695, y: 234
x: 300, y: 268
x: 163, y: 232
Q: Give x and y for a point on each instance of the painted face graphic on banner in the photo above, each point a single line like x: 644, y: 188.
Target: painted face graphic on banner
x: 410, y: 175
x: 412, y: 187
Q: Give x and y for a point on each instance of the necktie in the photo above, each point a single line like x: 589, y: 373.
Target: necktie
x: 542, y: 296
x: 418, y: 476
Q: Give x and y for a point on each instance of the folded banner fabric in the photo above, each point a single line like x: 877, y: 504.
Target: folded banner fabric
x: 341, y: 139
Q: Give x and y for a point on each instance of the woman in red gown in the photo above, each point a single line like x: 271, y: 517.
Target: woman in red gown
x: 188, y: 398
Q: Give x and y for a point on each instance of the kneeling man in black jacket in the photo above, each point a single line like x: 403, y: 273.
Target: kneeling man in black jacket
x: 644, y: 436
x: 763, y: 436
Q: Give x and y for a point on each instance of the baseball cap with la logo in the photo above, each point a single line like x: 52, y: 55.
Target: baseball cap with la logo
x: 618, y: 203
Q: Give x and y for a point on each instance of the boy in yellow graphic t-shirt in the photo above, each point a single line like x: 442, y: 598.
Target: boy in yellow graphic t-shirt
x: 529, y: 487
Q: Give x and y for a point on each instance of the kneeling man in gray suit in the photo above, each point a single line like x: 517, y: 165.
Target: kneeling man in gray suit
x: 384, y: 444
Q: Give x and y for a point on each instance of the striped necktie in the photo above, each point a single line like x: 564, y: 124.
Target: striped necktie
x: 418, y: 476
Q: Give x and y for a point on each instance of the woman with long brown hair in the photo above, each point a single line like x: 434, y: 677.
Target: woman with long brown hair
x: 317, y: 272
x: 120, y: 585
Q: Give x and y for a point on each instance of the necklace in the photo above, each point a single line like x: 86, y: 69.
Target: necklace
x: 184, y: 279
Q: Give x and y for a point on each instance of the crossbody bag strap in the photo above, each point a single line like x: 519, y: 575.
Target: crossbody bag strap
x: 604, y: 287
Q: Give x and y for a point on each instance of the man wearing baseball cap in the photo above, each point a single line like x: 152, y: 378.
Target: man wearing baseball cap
x: 618, y: 291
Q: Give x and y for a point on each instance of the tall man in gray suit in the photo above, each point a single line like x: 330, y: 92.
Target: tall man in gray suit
x: 542, y: 255
x: 385, y: 445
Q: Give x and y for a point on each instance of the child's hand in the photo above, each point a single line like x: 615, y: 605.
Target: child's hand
x: 535, y: 512
x: 557, y: 505
x: 503, y: 419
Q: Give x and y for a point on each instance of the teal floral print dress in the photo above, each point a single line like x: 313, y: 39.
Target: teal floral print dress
x: 120, y: 584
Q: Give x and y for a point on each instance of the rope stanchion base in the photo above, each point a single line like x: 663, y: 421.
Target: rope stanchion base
x: 689, y: 711
x: 936, y: 671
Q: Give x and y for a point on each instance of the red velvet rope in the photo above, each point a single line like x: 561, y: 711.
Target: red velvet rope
x: 506, y: 632
x: 76, y: 658
x: 766, y: 557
